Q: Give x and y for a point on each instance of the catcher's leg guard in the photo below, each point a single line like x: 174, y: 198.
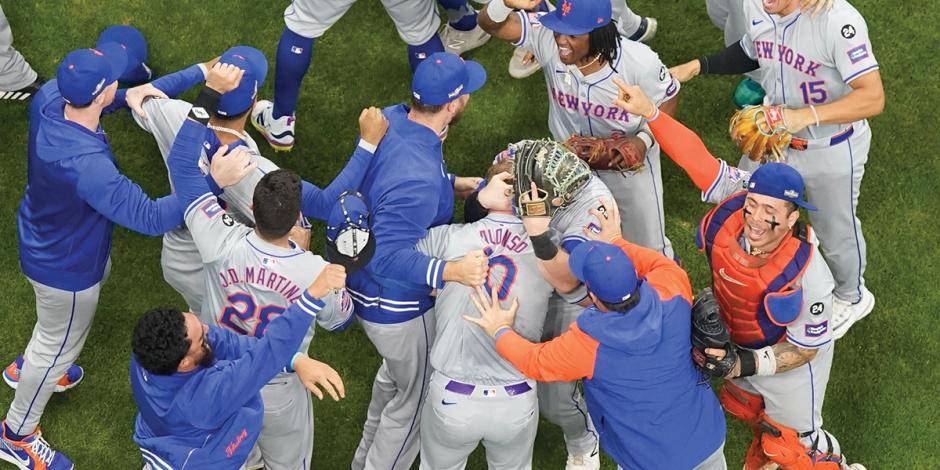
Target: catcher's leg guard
x: 747, y: 407
x: 782, y: 445
x: 741, y: 404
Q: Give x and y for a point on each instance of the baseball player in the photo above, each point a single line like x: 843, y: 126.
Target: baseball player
x: 553, y: 238
x: 823, y: 69
x: 775, y: 295
x: 74, y: 196
x: 252, y: 275
x: 632, y: 347
x: 182, y: 267
x: 198, y: 388
x: 410, y: 190
x: 581, y: 52
x: 18, y: 81
x: 305, y: 20
x: 475, y: 395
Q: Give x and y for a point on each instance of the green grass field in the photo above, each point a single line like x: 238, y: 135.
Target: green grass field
x: 882, y: 397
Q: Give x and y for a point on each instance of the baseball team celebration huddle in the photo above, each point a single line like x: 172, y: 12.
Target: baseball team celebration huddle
x: 558, y: 295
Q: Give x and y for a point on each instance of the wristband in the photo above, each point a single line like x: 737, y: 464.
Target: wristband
x: 646, y: 138
x: 290, y: 365
x: 747, y: 361
x: 766, y: 361
x: 204, y: 105
x: 815, y: 115
x: 501, y: 330
x: 703, y: 65
x: 498, y: 11
x: 545, y: 249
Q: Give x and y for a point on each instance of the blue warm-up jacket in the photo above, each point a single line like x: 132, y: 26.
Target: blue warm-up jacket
x: 409, y: 191
x: 211, y: 417
x: 75, y: 193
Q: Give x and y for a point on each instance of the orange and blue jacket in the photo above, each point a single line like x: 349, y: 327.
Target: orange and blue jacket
x: 649, y: 403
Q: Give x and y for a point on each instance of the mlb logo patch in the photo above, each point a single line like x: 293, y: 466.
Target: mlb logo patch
x: 297, y: 50
x: 858, y: 53
x: 817, y: 330
x: 489, y: 392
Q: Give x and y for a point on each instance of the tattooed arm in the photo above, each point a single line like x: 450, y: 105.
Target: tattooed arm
x: 776, y: 359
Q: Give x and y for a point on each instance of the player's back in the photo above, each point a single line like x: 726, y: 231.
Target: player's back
x: 255, y: 281
x: 462, y: 351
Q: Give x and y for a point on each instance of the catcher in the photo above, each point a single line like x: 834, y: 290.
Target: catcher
x: 774, y: 293
x: 556, y: 194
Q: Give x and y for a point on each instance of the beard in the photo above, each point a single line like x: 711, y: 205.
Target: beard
x: 208, y: 357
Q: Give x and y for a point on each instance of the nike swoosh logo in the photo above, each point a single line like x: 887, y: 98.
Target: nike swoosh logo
x: 12, y: 450
x: 756, y: 22
x: 445, y: 402
x: 721, y: 272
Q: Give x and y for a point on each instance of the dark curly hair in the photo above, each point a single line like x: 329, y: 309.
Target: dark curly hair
x: 160, y: 341
x: 605, y: 41
x: 276, y: 203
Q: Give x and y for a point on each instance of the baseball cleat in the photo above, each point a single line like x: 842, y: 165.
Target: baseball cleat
x: 646, y: 31
x: 71, y: 377
x: 458, y: 42
x: 518, y: 69
x: 588, y: 461
x: 845, y: 314
x: 278, y: 132
x: 32, y: 453
x: 23, y: 94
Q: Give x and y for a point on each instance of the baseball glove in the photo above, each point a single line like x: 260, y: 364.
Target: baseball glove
x: 709, y: 331
x: 761, y: 133
x: 557, y: 173
x: 616, y: 152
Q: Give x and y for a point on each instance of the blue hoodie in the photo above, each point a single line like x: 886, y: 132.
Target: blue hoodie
x: 409, y: 190
x: 210, y: 417
x: 75, y: 193
x: 651, y: 407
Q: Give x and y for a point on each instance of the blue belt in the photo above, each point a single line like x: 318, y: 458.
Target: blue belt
x: 467, y: 389
x: 806, y: 144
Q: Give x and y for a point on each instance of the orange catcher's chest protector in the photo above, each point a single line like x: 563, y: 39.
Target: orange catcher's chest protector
x: 756, y: 295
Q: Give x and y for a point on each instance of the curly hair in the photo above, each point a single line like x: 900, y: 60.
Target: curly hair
x: 276, y: 203
x: 605, y: 41
x: 160, y: 341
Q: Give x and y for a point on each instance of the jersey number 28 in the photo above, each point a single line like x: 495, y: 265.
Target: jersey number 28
x: 244, y: 308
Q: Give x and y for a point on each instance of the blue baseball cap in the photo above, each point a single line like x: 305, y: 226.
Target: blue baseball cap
x: 443, y: 77
x: 349, y: 240
x: 576, y: 17
x: 85, y: 73
x: 131, y: 39
x: 605, y: 270
x: 781, y: 181
x: 255, y: 65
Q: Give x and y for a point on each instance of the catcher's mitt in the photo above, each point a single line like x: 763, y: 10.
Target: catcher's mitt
x: 557, y: 173
x: 709, y: 331
x: 616, y: 152
x: 761, y: 133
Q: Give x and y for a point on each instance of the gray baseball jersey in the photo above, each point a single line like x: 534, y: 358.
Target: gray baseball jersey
x: 453, y: 423
x: 806, y: 60
x: 179, y: 259
x: 793, y: 398
x: 583, y: 105
x: 249, y: 282
x: 415, y: 20
x: 462, y: 351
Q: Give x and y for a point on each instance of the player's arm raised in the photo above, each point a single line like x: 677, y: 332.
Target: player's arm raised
x: 497, y: 18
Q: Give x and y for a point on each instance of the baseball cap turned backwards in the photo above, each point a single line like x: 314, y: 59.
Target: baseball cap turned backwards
x: 780, y: 181
x: 443, y: 77
x: 605, y: 270
x: 85, y: 73
x: 349, y: 240
x: 576, y: 17
x: 129, y: 38
x: 255, y: 65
